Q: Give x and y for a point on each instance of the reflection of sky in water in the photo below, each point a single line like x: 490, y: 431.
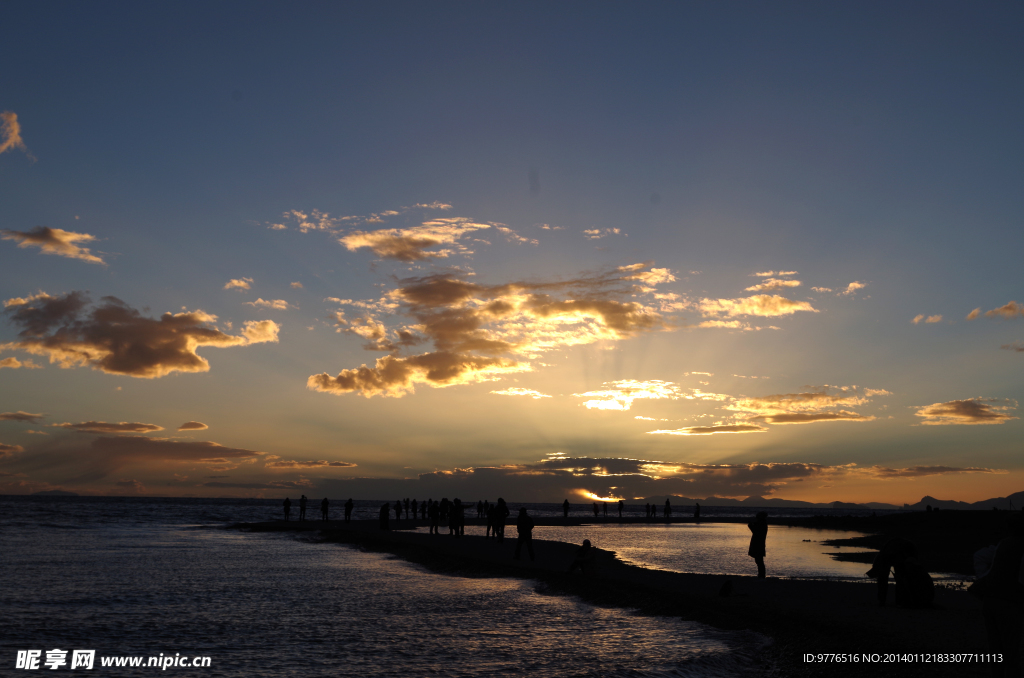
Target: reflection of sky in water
x: 711, y: 548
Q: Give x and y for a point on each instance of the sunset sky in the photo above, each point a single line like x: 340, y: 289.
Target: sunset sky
x: 531, y: 249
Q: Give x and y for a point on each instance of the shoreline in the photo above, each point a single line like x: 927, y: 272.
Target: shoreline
x: 800, y: 616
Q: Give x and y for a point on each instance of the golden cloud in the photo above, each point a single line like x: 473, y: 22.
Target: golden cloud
x: 825, y: 404
x: 193, y: 426
x: 853, y: 287
x: 482, y: 331
x: 412, y: 244
x: 973, y: 411
x: 1010, y: 310
x: 16, y: 364
x: 709, y: 430
x: 10, y: 132
x: 759, y: 304
x: 105, y: 427
x: 773, y: 284
x: 238, y: 284
x: 55, y: 241
x: 112, y: 337
x: 515, y: 391
x: 277, y: 304
x: 7, y: 450
x: 930, y: 319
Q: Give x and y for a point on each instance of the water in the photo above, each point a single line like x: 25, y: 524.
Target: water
x: 140, y: 577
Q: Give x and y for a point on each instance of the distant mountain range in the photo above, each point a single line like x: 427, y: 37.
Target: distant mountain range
x: 1013, y: 502
x: 54, y: 493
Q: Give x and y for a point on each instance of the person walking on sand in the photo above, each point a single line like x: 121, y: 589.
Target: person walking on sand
x: 323, y: 509
x: 348, y: 510
x: 524, y: 526
x: 385, y: 514
x: 287, y: 507
x: 758, y: 534
x: 565, y: 509
x: 302, y: 508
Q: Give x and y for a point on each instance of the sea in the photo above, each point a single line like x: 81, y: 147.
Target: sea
x: 165, y: 584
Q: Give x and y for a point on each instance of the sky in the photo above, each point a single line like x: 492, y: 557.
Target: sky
x: 539, y: 250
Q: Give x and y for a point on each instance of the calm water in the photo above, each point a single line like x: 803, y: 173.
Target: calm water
x: 142, y: 577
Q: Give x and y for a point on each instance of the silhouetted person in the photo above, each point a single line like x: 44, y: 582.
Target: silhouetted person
x: 287, y: 507
x: 565, y: 508
x: 434, y: 511
x: 348, y: 510
x: 524, y: 526
x: 501, y: 513
x: 604, y: 505
x: 696, y: 513
x: 584, y: 557
x: 455, y: 518
x: 492, y: 511
x: 597, y: 509
x: 398, y: 511
x: 324, y: 506
x: 914, y: 586
x: 668, y: 509
x: 302, y: 508
x: 758, y: 534
x: 385, y: 514
x: 407, y: 507
x: 621, y: 504
x: 647, y: 511
x: 412, y: 514
x: 424, y: 508
x: 1002, y: 602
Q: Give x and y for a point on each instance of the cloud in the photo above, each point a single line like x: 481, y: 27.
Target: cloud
x: 972, y: 411
x: 768, y: 274
x: 21, y: 416
x: 930, y: 319
x: 597, y: 233
x: 822, y: 289
x: 515, y: 391
x: 104, y: 427
x: 193, y: 426
x: 112, y: 337
x: 759, y: 304
x: 773, y: 284
x: 1010, y: 310
x: 412, y: 244
x: 54, y: 241
x: 619, y: 395
x: 853, y: 287
x: 828, y: 403
x: 480, y: 332
x: 322, y: 463
x: 1017, y: 346
x: 10, y: 132
x: 15, y: 364
x: 296, y: 285
x: 238, y: 284
x: 277, y: 304
x: 276, y: 485
x: 974, y: 314
x: 709, y: 430
x: 7, y: 450
x: 132, y: 485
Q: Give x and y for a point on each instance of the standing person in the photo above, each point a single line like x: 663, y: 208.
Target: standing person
x: 425, y: 507
x: 414, y: 505
x: 287, y: 507
x: 647, y: 511
x: 348, y: 510
x: 324, y: 505
x: 454, y: 517
x: 398, y: 511
x: 597, y: 509
x: 501, y: 513
x: 565, y: 508
x: 621, y: 504
x: 385, y: 513
x: 758, y: 534
x: 435, y: 516
x: 302, y: 508
x: 524, y: 526
x: 696, y: 513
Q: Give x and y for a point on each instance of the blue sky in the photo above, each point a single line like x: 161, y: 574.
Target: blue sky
x: 874, y: 144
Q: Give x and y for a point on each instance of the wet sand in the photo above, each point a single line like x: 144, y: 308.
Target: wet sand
x: 801, y: 616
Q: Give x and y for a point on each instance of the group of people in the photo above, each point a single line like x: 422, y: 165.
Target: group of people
x: 325, y: 507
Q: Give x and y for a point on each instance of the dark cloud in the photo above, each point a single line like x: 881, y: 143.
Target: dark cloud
x: 7, y: 450
x: 920, y: 471
x: 971, y: 411
x: 322, y: 463
x: 105, y: 427
x: 55, y: 241
x: 1016, y: 346
x: 113, y: 337
x: 276, y: 485
x: 21, y: 416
